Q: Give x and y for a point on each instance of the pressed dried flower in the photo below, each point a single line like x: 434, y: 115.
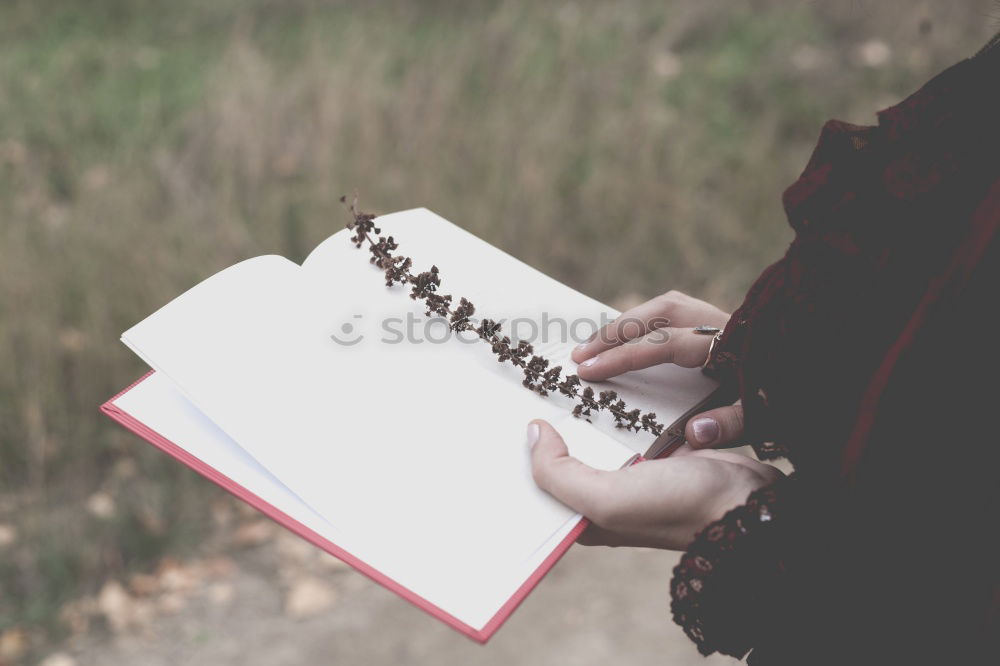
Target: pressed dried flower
x: 538, y: 376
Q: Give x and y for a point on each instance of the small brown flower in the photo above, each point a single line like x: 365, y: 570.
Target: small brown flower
x: 460, y: 316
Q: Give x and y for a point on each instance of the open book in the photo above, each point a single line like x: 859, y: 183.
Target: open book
x: 334, y: 405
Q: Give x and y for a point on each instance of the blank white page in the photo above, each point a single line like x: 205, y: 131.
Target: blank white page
x: 415, y: 451
x: 160, y: 406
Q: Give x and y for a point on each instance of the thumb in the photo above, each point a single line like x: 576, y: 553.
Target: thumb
x: 576, y: 485
x: 716, y: 428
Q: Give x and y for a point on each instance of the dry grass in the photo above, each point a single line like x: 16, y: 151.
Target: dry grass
x: 626, y: 148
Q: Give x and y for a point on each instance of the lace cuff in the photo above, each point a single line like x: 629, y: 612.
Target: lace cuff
x: 728, y: 577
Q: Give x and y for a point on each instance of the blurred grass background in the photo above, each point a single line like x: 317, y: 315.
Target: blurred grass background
x: 626, y: 148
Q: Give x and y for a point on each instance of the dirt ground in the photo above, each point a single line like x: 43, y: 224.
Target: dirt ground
x: 276, y: 600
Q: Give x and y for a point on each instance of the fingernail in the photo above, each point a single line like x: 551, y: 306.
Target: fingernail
x: 590, y: 361
x: 706, y: 430
x: 582, y: 346
x: 533, y: 433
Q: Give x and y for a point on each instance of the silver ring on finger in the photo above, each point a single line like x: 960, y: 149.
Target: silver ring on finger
x: 711, y: 348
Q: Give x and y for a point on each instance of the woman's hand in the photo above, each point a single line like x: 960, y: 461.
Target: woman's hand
x: 655, y: 504
x: 661, y: 330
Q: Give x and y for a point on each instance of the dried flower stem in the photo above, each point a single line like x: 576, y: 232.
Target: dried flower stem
x: 538, y: 376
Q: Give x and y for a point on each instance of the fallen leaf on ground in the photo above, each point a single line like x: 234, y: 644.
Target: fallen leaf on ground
x: 309, y: 597
x: 171, y: 602
x: 294, y: 548
x: 219, y: 566
x: 220, y: 594
x: 254, y: 533
x: 101, y: 505
x: 119, y: 608
x: 58, y: 659
x: 144, y: 585
x: 177, y: 577
x: 13, y: 643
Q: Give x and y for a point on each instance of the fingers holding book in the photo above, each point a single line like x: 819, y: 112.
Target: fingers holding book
x: 681, y: 346
x: 654, y: 504
x: 673, y: 308
x: 717, y: 428
x: 661, y: 330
